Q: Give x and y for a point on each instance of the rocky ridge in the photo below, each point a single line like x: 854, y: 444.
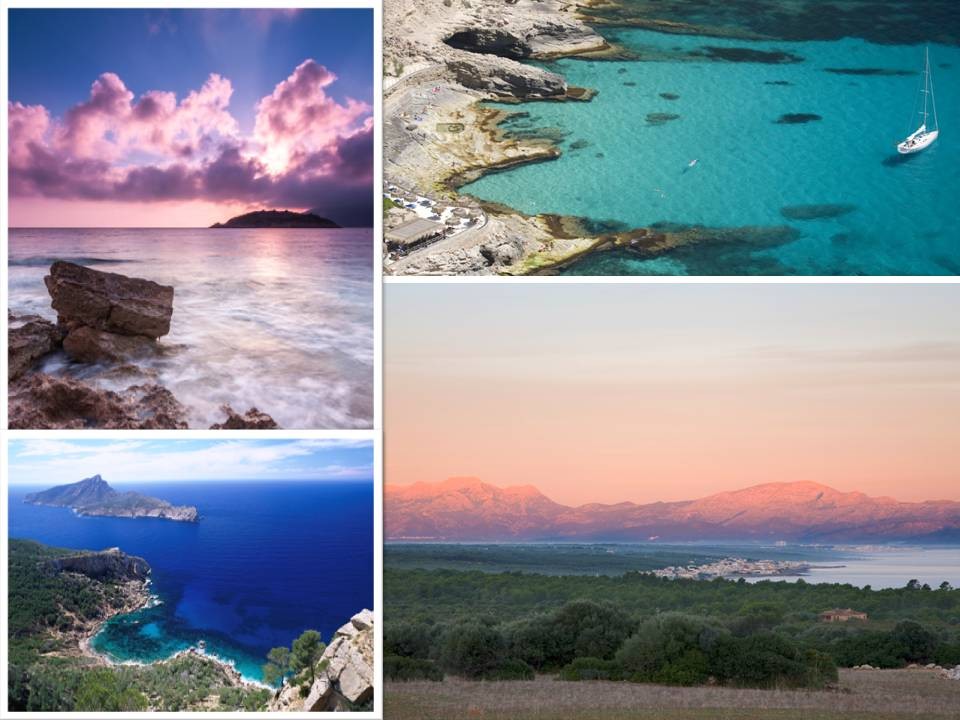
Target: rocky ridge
x: 93, y: 496
x: 467, y: 509
x: 344, y: 674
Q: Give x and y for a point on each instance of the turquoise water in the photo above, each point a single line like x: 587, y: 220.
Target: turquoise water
x: 892, y: 214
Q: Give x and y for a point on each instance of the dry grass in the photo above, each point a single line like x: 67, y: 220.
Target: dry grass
x: 863, y: 695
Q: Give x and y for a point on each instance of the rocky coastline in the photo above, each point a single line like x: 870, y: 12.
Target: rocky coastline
x: 442, y: 59
x: 108, y: 330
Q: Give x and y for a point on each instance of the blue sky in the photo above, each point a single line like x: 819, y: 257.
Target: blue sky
x: 56, y: 54
x: 52, y: 462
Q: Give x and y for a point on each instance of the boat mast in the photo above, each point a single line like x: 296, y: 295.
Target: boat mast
x: 926, y: 83
x: 933, y: 97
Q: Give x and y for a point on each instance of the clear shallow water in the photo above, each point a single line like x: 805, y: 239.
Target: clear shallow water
x: 266, y: 562
x: 893, y: 568
x: 279, y: 319
x: 749, y: 166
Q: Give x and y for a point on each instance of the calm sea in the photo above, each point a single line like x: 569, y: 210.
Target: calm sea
x: 626, y: 155
x: 267, y: 561
x: 277, y: 319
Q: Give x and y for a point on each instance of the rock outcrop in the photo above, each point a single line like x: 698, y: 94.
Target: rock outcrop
x: 509, y: 79
x: 30, y: 337
x: 43, y: 402
x: 253, y: 419
x: 107, y: 316
x: 106, y: 565
x: 94, y: 496
x: 277, y: 219
x: 344, y: 674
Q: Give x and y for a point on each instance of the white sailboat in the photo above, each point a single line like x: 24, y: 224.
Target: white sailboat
x: 922, y: 137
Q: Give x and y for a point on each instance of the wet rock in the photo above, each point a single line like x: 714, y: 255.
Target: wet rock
x: 253, y: 419
x: 87, y: 344
x: 109, y: 301
x: 43, y: 402
x: 660, y: 118
x: 30, y: 337
x: 797, y: 118
x: 816, y: 212
x: 735, y: 54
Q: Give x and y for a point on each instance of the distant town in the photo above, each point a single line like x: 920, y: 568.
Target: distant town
x: 734, y: 567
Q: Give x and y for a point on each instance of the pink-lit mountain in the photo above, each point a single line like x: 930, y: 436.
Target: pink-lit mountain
x: 468, y: 509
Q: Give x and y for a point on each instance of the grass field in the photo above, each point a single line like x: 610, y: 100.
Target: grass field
x: 862, y: 695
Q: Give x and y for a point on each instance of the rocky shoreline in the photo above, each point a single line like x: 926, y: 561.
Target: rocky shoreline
x: 442, y: 59
x: 108, y: 327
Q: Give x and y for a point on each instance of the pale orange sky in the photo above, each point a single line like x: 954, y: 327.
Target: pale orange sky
x: 52, y: 212
x: 606, y: 393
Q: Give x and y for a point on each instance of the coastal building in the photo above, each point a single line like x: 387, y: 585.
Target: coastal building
x: 413, y: 233
x: 842, y: 615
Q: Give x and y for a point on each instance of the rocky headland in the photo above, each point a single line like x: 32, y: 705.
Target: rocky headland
x: 94, y: 496
x: 108, y: 329
x: 344, y: 675
x: 441, y: 59
x: 277, y: 219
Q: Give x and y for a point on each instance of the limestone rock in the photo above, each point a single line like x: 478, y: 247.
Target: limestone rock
x: 109, y: 301
x: 43, y: 402
x: 344, y: 675
x: 109, y: 564
x: 506, y: 77
x: 90, y: 345
x: 252, y: 420
x: 30, y: 337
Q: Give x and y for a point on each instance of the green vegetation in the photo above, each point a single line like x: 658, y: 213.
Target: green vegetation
x: 388, y: 205
x: 301, y: 660
x: 50, y: 611
x: 640, y: 628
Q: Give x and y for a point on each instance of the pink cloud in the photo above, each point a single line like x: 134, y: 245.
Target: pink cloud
x: 306, y: 148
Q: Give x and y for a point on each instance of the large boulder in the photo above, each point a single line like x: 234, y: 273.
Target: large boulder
x: 253, y: 419
x: 43, y: 402
x: 90, y: 345
x: 506, y: 77
x: 108, y: 301
x: 30, y: 337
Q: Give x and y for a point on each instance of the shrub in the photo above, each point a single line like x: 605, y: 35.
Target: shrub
x: 408, y: 639
x: 398, y: 668
x: 472, y: 649
x: 510, y: 669
x: 591, y: 668
x: 666, y: 639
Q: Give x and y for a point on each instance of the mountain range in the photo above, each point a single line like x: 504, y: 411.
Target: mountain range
x: 94, y: 496
x: 468, y: 509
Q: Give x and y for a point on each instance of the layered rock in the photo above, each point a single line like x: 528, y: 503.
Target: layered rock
x: 30, y: 337
x: 107, y: 316
x: 111, y: 565
x: 43, y: 402
x: 344, y: 674
x: 253, y: 419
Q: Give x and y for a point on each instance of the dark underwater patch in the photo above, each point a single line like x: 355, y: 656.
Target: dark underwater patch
x: 797, y: 118
x: 883, y: 72
x: 783, y: 83
x: 669, y: 96
x: 579, y: 144
x: 621, y: 71
x: 896, y: 160
x: 816, y: 212
x: 630, y: 84
x: 746, y: 55
x: 660, y: 118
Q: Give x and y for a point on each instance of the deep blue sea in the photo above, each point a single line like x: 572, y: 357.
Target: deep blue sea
x: 626, y: 153
x: 267, y: 561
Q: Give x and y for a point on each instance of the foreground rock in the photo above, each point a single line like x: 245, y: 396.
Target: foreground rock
x: 107, y: 316
x: 94, y: 496
x: 30, y: 337
x: 344, y: 677
x: 44, y: 402
x: 252, y: 420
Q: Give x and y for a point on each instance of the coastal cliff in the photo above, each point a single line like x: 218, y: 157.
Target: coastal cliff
x: 94, y: 496
x: 344, y: 674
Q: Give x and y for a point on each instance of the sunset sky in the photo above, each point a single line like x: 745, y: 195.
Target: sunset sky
x: 137, y: 118
x: 607, y: 393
